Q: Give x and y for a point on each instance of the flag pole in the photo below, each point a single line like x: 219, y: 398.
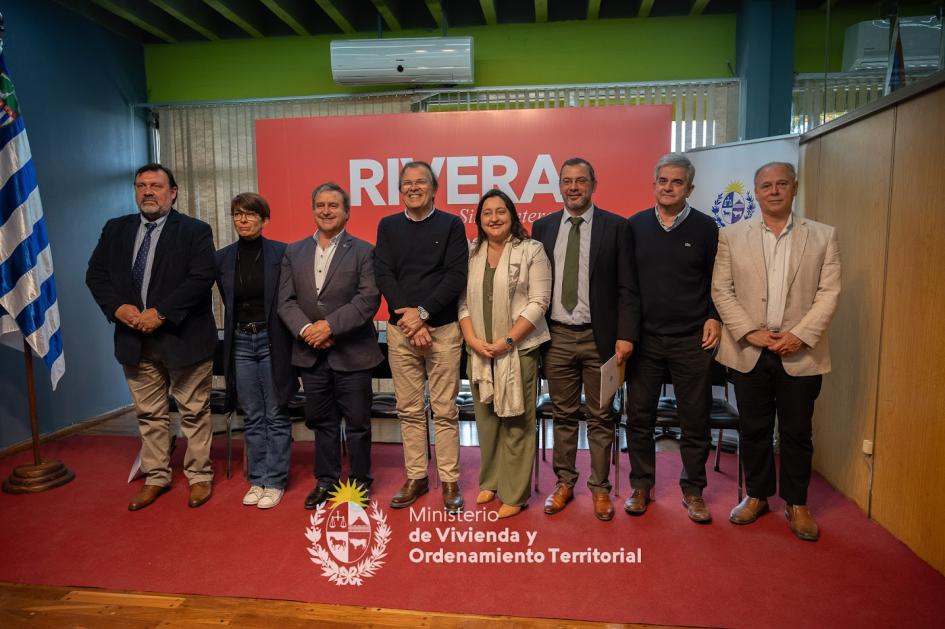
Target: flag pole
x: 40, y: 475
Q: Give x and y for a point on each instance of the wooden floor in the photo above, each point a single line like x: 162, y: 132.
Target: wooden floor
x: 60, y: 607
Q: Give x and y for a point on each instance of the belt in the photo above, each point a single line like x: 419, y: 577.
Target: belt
x: 251, y: 328
x: 577, y: 328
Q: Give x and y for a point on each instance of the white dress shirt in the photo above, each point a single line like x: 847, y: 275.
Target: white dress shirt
x: 777, y: 252
x: 323, y: 258
x: 149, y: 264
x: 581, y: 315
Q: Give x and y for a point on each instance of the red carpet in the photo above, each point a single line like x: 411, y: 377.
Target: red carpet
x: 718, y: 575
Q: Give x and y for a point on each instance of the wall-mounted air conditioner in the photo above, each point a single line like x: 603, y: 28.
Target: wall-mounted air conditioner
x: 397, y: 61
x: 866, y: 45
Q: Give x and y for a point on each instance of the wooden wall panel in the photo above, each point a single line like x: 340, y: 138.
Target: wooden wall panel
x: 910, y: 433
x: 808, y: 175
x: 849, y: 174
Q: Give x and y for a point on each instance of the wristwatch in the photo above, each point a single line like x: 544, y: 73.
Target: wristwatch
x: 424, y: 315
x: 509, y: 342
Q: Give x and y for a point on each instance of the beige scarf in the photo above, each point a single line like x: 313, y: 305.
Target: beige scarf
x: 499, y: 379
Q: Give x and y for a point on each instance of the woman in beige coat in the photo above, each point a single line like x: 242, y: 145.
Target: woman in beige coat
x: 502, y: 317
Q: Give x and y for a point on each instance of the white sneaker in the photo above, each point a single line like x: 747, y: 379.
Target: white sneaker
x: 270, y: 498
x: 253, y: 495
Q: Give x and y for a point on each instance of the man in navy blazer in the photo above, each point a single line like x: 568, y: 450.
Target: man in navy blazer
x: 151, y: 275
x: 257, y: 349
x: 328, y: 298
x: 589, y: 321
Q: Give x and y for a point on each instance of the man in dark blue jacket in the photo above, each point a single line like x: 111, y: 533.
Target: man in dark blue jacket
x: 151, y: 274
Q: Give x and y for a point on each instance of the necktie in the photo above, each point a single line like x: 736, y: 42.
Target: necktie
x: 141, y: 260
x: 572, y: 258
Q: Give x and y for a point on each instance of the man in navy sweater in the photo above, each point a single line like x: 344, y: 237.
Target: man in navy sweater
x: 676, y: 329
x: 420, y: 263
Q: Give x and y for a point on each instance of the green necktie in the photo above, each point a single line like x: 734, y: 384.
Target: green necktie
x: 572, y: 260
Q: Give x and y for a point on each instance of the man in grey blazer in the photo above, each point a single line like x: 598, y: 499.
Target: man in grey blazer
x: 775, y: 284
x: 327, y: 298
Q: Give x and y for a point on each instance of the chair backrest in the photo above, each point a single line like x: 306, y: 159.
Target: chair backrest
x: 382, y: 370
x: 218, y: 366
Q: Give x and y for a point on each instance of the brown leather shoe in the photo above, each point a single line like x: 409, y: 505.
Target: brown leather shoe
x: 559, y: 498
x: 146, y: 495
x: 200, y: 493
x: 603, y: 507
x: 748, y: 510
x: 802, y: 522
x: 637, y: 502
x: 408, y: 494
x: 452, y: 498
x: 698, y: 511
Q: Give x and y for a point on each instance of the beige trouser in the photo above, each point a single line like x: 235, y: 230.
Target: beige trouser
x: 150, y: 381
x: 439, y: 366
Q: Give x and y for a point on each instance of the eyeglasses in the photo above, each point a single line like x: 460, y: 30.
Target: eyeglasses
x: 240, y: 215
x: 420, y: 183
x: 580, y: 181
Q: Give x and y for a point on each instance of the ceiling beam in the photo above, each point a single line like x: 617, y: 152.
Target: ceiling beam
x: 336, y: 15
x: 173, y: 9
x: 119, y: 10
x: 387, y: 12
x: 488, y: 11
x: 698, y: 7
x: 645, y: 7
x: 223, y: 9
x: 285, y: 16
x: 436, y: 10
x: 593, y: 9
x: 541, y: 10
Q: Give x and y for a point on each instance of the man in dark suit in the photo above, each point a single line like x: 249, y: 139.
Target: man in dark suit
x: 327, y: 298
x: 589, y: 320
x: 151, y: 274
x: 257, y: 349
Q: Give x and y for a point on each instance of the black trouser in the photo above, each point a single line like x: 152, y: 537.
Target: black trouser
x: 763, y: 392
x: 690, y: 369
x: 329, y: 396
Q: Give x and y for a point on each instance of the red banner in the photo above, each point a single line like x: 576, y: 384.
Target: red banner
x: 518, y: 151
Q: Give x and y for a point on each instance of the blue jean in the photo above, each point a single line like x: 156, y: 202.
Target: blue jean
x: 268, y: 434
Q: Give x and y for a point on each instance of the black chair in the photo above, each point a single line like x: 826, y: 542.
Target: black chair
x: 722, y: 417
x: 464, y: 399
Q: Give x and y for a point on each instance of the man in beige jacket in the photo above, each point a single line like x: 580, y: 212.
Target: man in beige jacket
x: 775, y: 285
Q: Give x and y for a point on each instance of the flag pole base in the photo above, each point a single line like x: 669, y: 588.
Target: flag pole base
x: 31, y: 478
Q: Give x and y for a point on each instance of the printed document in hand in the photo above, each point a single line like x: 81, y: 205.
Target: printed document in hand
x: 611, y: 377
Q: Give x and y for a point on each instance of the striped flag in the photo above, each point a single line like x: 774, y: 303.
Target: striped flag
x: 896, y: 66
x: 28, y: 306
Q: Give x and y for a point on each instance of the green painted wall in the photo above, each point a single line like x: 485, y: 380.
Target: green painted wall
x: 599, y: 51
